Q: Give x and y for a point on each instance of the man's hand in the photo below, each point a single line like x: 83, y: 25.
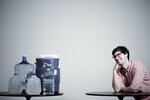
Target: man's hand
x: 116, y: 69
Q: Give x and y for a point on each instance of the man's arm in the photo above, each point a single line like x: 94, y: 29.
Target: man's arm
x: 117, y: 82
x: 139, y: 73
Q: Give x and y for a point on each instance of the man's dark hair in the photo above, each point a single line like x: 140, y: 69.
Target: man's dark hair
x: 122, y: 49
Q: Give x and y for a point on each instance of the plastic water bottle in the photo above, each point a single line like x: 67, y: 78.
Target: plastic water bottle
x: 24, y: 67
x: 16, y: 84
x: 21, y: 70
x: 33, y: 85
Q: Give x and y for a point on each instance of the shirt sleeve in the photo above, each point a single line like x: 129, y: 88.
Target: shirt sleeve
x: 117, y: 82
x: 138, y: 76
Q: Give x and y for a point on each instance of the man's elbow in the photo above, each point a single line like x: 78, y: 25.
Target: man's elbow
x: 129, y: 89
x: 116, y: 89
x: 134, y: 90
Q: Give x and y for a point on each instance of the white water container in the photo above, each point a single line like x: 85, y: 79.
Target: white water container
x: 33, y: 85
x: 16, y: 84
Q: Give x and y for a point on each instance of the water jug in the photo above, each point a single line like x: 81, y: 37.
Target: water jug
x: 16, y: 84
x: 33, y: 85
x: 24, y: 67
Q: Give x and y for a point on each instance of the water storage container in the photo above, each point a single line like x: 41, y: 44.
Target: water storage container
x: 24, y: 67
x: 47, y: 69
x: 33, y: 85
x: 16, y: 84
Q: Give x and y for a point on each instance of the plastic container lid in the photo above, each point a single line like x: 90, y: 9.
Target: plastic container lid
x: 49, y: 56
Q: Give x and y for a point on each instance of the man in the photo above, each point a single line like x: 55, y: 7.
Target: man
x: 129, y: 76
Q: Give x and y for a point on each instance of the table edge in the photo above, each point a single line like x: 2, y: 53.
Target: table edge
x: 31, y: 95
x: 117, y: 94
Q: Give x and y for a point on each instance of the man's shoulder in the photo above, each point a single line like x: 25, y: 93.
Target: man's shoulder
x: 137, y: 64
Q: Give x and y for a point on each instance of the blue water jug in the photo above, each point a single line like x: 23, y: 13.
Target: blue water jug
x: 47, y: 69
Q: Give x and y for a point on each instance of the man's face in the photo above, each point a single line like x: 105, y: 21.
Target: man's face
x: 120, y: 58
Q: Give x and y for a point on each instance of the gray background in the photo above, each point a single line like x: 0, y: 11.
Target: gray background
x: 82, y: 32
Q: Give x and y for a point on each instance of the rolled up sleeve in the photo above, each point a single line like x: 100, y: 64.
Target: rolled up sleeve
x: 117, y: 83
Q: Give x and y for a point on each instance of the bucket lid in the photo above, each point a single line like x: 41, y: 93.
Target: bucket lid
x: 48, y: 56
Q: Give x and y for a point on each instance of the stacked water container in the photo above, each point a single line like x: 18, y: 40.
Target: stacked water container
x: 24, y: 80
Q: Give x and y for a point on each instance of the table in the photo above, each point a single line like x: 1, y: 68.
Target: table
x: 28, y: 96
x: 120, y: 95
